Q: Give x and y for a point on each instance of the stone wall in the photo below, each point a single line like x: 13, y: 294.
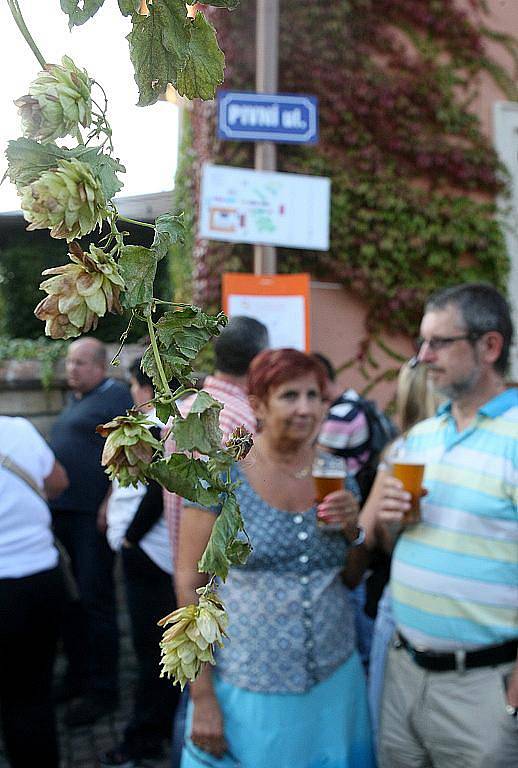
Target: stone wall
x: 22, y: 393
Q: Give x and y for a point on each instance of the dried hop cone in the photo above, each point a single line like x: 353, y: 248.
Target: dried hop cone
x: 239, y: 443
x: 68, y: 200
x: 129, y: 448
x: 190, y: 641
x: 79, y: 293
x: 58, y: 101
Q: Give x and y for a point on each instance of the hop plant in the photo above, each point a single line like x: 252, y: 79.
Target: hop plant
x: 69, y: 200
x: 129, y: 448
x: 57, y: 103
x: 79, y: 293
x: 239, y: 443
x: 190, y: 642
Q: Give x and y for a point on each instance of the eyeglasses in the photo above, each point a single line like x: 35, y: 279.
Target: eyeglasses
x: 437, y: 343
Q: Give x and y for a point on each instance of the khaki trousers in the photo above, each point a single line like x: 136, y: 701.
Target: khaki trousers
x: 445, y: 719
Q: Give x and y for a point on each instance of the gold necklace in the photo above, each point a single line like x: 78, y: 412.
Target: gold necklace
x: 299, y: 474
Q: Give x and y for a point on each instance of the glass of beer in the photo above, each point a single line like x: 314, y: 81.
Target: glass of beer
x: 329, y: 474
x: 411, y: 475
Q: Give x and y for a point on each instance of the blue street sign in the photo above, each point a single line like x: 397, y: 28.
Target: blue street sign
x: 280, y: 117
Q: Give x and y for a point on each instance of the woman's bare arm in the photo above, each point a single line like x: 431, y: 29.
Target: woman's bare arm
x: 376, y: 533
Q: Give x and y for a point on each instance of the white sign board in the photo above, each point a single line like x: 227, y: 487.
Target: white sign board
x: 284, y: 316
x: 240, y: 205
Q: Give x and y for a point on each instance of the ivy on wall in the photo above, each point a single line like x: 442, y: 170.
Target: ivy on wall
x: 414, y: 179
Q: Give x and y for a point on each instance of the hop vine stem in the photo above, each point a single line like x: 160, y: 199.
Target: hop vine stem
x: 158, y: 361
x: 134, y: 221
x: 22, y: 26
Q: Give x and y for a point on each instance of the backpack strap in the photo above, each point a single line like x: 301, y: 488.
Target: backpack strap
x: 12, y: 466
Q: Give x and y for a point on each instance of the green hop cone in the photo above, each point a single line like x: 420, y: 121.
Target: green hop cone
x: 79, y: 293
x: 129, y: 448
x: 68, y: 200
x: 57, y: 103
x: 190, y: 641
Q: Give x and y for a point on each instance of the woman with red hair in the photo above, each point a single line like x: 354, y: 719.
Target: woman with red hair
x: 288, y: 688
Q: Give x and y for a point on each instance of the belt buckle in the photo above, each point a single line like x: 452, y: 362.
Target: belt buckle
x: 460, y: 660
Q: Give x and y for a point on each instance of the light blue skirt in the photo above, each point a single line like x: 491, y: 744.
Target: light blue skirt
x: 326, y: 727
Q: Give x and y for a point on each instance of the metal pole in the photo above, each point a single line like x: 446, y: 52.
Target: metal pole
x: 267, y: 69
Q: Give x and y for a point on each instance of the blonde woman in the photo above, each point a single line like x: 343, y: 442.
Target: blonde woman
x: 415, y: 401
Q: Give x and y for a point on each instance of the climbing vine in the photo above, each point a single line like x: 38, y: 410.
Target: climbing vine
x: 414, y: 178
x: 69, y: 189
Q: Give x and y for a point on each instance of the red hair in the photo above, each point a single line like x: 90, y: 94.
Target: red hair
x: 273, y: 367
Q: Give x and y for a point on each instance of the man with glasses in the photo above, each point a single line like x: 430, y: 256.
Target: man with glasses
x: 451, y: 687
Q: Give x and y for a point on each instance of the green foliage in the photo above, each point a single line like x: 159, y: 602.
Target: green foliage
x: 205, y: 62
x: 184, y: 193
x: 127, y: 7
x: 168, y: 232
x: 222, y: 542
x: 42, y: 349
x: 78, y: 15
x: 159, y: 45
x: 188, y: 330
x: 137, y: 266
x: 27, y: 160
x: 69, y: 192
x: 188, y: 477
x: 230, y: 4
x: 199, y: 430
x: 180, y: 337
x: 167, y: 47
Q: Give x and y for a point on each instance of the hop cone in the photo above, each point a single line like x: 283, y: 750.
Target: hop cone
x: 129, y: 448
x: 239, y: 443
x: 79, y: 293
x: 58, y: 101
x: 190, y: 642
x: 69, y: 200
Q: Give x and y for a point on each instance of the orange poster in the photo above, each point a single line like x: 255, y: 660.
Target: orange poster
x: 281, y: 302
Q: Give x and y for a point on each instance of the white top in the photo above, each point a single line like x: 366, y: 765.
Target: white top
x: 26, y: 540
x: 122, y: 506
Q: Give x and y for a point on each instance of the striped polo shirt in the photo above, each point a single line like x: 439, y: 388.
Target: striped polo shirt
x: 455, y: 574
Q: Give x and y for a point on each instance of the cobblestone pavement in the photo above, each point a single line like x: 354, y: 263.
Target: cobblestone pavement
x: 80, y: 746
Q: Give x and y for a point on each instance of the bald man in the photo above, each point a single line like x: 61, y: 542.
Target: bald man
x: 90, y: 626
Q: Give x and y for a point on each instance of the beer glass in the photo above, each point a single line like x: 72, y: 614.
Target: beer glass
x: 329, y: 474
x: 411, y: 475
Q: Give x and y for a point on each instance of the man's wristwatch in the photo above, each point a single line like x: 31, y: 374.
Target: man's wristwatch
x: 360, y: 537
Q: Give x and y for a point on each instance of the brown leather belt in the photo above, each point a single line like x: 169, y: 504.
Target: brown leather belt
x: 436, y: 661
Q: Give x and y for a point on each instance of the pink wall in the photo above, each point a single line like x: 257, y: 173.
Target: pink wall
x: 337, y: 329
x: 502, y: 17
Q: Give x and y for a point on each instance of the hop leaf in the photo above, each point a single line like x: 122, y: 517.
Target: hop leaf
x: 129, y: 448
x: 79, y: 293
x: 69, y: 200
x: 239, y: 443
x: 190, y: 642
x: 57, y: 103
